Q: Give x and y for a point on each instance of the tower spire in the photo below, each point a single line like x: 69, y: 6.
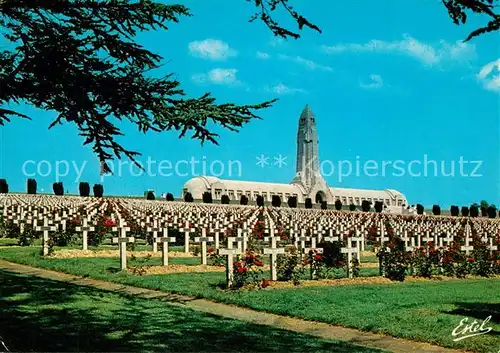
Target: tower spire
x: 307, y: 171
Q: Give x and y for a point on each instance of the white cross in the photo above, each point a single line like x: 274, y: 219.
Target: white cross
x: 229, y: 253
x: 84, y: 228
x: 203, y: 241
x: 165, y: 239
x: 186, y: 230
x: 46, y: 229
x: 349, y: 251
x: 122, y: 244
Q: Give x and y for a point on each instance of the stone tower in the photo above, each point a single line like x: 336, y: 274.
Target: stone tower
x: 308, y: 174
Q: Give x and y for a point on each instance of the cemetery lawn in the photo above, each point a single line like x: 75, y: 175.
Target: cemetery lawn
x: 417, y: 310
x: 44, y: 315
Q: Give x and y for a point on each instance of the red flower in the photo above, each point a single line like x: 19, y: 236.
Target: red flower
x: 318, y: 257
x: 109, y: 223
x: 75, y: 220
x: 470, y: 259
x: 211, y: 250
x: 265, y: 283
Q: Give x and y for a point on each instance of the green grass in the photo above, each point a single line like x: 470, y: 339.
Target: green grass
x: 8, y: 242
x: 422, y: 310
x: 44, y: 315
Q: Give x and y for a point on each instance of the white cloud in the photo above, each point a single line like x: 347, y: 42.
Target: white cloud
x: 305, y: 62
x: 376, y: 82
x: 262, y: 55
x: 489, y: 76
x: 425, y: 53
x: 218, y: 76
x: 283, y: 89
x: 211, y: 49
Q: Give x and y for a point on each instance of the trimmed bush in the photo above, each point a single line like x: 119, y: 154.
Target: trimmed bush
x: 170, y: 197
x: 454, y: 211
x: 420, y: 209
x: 484, y: 211
x: 379, y: 206
x: 31, y: 186
x: 276, y: 201
x: 84, y: 189
x: 243, y: 200
x: 338, y: 205
x: 4, y: 187
x: 58, y: 188
x: 292, y: 202
x: 436, y: 210
x: 324, y: 205
x: 365, y: 206
x: 150, y: 195
x: 473, y: 211
x: 465, y: 211
x: 188, y: 197
x: 224, y: 200
x: 260, y: 200
x: 491, y: 211
x: 309, y: 203
x: 207, y: 197
x: 352, y: 207
x: 98, y: 190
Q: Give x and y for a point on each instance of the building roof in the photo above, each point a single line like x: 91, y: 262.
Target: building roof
x: 207, y: 182
x: 366, y: 193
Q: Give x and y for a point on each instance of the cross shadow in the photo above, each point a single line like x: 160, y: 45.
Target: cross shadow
x: 43, y: 315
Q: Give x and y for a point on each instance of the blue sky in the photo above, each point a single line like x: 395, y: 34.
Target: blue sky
x: 386, y: 83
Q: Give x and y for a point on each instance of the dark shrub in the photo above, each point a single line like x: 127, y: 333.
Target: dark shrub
x: 465, y: 211
x: 84, y: 189
x: 224, y: 200
x: 324, y: 205
x: 31, y: 186
x: 309, y: 203
x: 170, y: 197
x: 491, y: 211
x: 352, y: 207
x: 420, y: 209
x: 454, y: 211
x: 379, y: 206
x: 484, y: 211
x: 260, y: 200
x: 243, y: 200
x: 207, y: 197
x: 4, y: 187
x: 292, y: 201
x: 276, y: 201
x: 365, y: 206
x: 98, y: 190
x: 150, y: 195
x: 436, y: 210
x: 188, y: 197
x: 58, y: 188
x: 338, y: 205
x: 473, y: 211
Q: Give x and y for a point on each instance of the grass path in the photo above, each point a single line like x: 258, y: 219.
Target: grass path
x: 344, y: 338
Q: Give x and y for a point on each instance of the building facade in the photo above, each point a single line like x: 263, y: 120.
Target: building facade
x: 307, y: 183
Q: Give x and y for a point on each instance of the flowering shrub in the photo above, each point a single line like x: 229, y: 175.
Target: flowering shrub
x: 314, y: 259
x: 28, y: 236
x: 217, y: 260
x: 258, y: 230
x: 394, y: 260
x: 288, y: 265
x: 247, y: 271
